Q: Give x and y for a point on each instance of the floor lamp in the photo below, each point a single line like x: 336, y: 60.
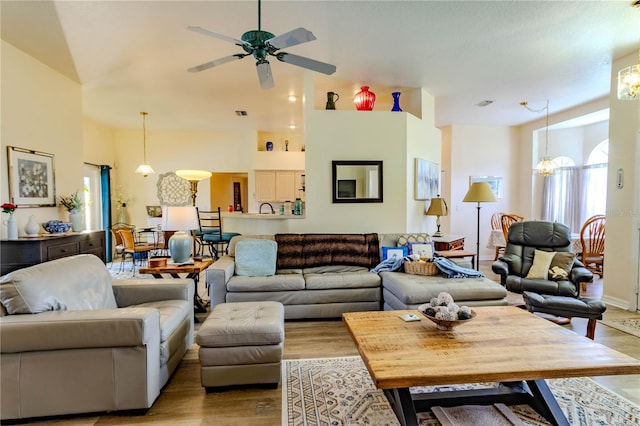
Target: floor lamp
x: 193, y: 176
x: 479, y: 192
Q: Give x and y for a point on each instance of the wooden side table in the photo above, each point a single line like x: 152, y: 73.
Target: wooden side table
x: 455, y: 254
x: 192, y: 271
x: 448, y: 242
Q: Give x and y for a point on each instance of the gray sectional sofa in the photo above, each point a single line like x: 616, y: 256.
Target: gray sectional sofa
x: 307, y: 284
x: 330, y: 286
x: 73, y: 341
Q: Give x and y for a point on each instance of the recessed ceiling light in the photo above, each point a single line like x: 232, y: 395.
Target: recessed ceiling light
x: 292, y: 126
x: 484, y: 103
x: 241, y: 113
x: 292, y: 98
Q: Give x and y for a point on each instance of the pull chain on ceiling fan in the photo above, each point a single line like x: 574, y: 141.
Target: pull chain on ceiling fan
x: 262, y: 44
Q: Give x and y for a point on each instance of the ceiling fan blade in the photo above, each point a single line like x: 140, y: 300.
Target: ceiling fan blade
x: 216, y: 62
x: 291, y: 38
x: 264, y: 74
x: 217, y: 35
x: 307, y: 63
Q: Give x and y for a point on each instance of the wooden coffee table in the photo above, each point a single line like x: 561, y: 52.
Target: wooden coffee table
x: 503, y: 344
x: 189, y: 271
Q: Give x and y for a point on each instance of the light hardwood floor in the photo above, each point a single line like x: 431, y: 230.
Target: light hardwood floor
x: 184, y: 402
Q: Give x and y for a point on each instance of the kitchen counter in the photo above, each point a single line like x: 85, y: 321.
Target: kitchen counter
x: 260, y: 216
x: 258, y: 224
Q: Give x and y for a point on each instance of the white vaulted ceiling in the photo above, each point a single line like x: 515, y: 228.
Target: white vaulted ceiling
x: 132, y: 56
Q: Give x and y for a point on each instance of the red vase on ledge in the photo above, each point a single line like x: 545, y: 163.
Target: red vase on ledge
x: 364, y: 99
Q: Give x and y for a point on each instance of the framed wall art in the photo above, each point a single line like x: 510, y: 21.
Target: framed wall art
x: 31, y: 177
x: 427, y: 179
x: 495, y: 182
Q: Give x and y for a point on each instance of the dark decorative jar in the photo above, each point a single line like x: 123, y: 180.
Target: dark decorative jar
x: 364, y: 99
x: 269, y: 146
x: 396, y: 102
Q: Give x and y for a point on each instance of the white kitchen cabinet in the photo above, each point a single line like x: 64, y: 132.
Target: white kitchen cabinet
x: 265, y: 185
x: 277, y: 185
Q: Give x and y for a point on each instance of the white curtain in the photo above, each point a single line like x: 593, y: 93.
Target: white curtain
x: 573, y: 194
x: 594, y: 190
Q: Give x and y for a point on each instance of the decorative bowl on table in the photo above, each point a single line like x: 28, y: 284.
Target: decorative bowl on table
x: 448, y: 325
x: 445, y: 313
x: 56, y: 226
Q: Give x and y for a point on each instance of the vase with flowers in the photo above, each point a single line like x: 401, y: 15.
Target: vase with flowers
x: 74, y: 205
x: 12, y: 224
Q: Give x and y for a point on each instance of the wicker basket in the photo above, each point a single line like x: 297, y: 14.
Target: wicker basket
x: 420, y: 268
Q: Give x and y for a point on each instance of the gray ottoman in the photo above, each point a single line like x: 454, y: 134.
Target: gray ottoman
x: 406, y: 291
x: 241, y: 343
x: 568, y: 307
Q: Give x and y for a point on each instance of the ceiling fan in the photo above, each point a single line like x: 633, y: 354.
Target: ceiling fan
x: 261, y: 44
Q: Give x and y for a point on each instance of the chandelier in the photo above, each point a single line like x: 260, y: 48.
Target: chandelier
x: 546, y: 166
x: 144, y: 169
x: 629, y: 77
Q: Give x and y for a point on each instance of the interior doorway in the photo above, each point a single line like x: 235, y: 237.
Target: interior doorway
x: 229, y: 191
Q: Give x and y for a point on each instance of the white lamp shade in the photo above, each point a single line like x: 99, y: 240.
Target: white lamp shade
x: 193, y: 175
x: 144, y: 170
x: 180, y: 218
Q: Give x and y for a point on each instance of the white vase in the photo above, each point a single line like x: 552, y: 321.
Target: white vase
x: 12, y: 227
x: 77, y: 221
x: 32, y: 228
x: 123, y: 214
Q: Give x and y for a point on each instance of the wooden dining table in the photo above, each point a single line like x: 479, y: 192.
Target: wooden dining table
x: 502, y: 344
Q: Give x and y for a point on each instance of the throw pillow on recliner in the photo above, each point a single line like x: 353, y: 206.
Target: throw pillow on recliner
x: 256, y: 258
x: 541, y: 263
x: 561, y: 265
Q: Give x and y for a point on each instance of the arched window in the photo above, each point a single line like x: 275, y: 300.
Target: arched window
x: 599, y: 154
x: 563, y: 161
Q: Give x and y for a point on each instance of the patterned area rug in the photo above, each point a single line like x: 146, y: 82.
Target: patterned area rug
x: 628, y: 325
x: 339, y: 391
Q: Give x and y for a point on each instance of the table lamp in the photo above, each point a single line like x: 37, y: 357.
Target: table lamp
x: 180, y: 219
x: 193, y: 176
x: 479, y: 192
x: 438, y: 207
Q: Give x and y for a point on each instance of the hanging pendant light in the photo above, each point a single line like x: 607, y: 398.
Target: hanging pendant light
x: 629, y: 77
x: 546, y: 166
x: 144, y: 169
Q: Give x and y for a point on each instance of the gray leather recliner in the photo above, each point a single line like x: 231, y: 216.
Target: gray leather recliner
x: 522, y: 241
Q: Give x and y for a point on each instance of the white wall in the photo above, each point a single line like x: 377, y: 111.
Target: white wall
x: 98, y: 143
x: 365, y: 135
x: 480, y: 151
x: 171, y: 151
x: 41, y: 111
x: 622, y: 257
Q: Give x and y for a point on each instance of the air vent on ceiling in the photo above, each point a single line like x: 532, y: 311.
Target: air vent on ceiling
x: 484, y: 103
x: 241, y: 113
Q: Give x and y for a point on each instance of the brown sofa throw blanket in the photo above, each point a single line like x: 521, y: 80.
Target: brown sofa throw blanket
x: 311, y: 250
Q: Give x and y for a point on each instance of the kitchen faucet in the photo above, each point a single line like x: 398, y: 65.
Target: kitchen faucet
x: 270, y: 206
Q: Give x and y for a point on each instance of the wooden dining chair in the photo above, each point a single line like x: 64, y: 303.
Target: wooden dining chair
x: 592, y: 242
x: 496, y: 224
x: 116, y: 243
x: 139, y: 250
x: 506, y: 220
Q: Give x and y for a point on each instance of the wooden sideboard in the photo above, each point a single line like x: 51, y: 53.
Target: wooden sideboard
x: 23, y: 252
x: 448, y: 242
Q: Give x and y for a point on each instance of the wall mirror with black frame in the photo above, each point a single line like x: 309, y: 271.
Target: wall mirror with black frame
x: 357, y: 181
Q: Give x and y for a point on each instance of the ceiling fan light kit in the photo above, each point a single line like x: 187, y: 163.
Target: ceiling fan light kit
x: 261, y: 44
